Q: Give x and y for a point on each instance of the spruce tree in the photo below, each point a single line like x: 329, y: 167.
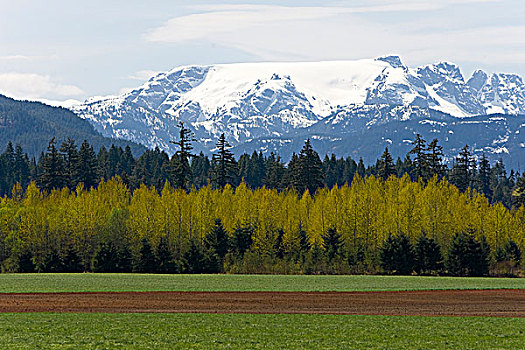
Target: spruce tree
x: 72, y: 261
x: 462, y: 170
x: 386, y: 166
x: 194, y: 259
x: 21, y: 170
x: 309, y: 170
x: 467, y: 257
x: 179, y: 168
x: 518, y: 194
x: 217, y: 240
x: 87, y: 170
x: 52, y: 262
x: 420, y: 161
x: 52, y: 170
x: 397, y: 255
x: 241, y: 240
x: 333, y: 243
x: 25, y: 262
x: 278, y: 246
x: 166, y: 263
x: 147, y: 261
x: 361, y: 168
x: 435, y: 160
x: 70, y: 153
x: 106, y: 258
x: 124, y: 259
x: 200, y: 169
x: 224, y: 164
x: 275, y: 172
x: 304, y: 243
x: 483, y: 180
x: 427, y: 255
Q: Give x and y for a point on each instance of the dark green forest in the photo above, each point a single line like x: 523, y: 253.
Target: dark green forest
x: 33, y: 124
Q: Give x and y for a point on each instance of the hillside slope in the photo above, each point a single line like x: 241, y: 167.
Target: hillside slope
x: 33, y: 124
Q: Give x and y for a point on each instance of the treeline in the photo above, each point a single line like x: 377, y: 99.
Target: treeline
x: 67, y: 165
x: 370, y: 226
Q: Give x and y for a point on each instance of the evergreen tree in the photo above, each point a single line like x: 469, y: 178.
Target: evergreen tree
x: 278, y: 246
x: 52, y: 262
x: 304, y: 243
x: 509, y: 252
x: 166, y: 262
x: 435, y: 160
x: 518, y: 195
x: 427, y: 255
x: 224, y: 163
x: 333, y: 243
x: 21, y: 170
x: 217, y: 240
x: 25, y: 262
x: 70, y: 153
x: 147, y: 261
x: 194, y: 258
x: 106, y: 258
x: 467, y: 257
x: 275, y: 172
x: 483, y: 180
x: 361, y: 168
x: 241, y: 240
x: 53, y: 174
x: 200, y: 168
x: 179, y: 166
x: 330, y: 169
x: 462, y: 170
x: 87, y: 170
x: 124, y: 259
x: 396, y: 255
x: 309, y: 170
x: 386, y: 165
x: 420, y: 161
x: 72, y: 261
x: 103, y: 163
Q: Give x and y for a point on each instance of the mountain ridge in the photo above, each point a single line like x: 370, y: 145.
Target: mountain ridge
x: 32, y: 124
x: 265, y: 101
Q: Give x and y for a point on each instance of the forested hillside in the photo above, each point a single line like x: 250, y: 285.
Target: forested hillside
x: 33, y: 124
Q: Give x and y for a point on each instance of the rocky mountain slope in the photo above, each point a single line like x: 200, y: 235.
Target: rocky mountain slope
x: 349, y: 107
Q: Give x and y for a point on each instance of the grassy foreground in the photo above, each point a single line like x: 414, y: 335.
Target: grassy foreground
x: 208, y: 331
x: 20, y: 283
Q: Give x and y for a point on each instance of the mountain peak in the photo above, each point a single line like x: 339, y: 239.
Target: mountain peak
x: 394, y: 60
x: 252, y: 101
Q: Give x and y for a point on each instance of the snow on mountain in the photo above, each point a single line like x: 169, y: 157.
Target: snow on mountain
x: 250, y: 101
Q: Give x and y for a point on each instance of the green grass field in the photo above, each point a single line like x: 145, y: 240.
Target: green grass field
x: 19, y: 283
x: 200, y: 331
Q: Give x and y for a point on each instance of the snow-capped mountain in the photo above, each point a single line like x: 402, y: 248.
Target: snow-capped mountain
x: 265, y: 106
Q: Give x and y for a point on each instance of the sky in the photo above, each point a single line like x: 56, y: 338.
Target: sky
x: 57, y: 50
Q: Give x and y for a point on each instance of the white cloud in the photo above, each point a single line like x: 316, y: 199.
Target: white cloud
x: 143, y: 75
x: 320, y: 33
x: 35, y: 86
x: 218, y: 19
x: 15, y: 58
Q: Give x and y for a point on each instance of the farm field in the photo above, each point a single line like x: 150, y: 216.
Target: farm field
x: 241, y: 331
x: 48, y: 283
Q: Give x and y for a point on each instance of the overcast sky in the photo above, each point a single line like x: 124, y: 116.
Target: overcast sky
x: 63, y: 49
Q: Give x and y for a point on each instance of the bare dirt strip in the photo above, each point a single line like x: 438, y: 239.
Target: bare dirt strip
x: 502, y: 303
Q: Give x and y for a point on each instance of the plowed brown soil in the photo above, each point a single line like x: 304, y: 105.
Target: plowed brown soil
x: 503, y: 303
